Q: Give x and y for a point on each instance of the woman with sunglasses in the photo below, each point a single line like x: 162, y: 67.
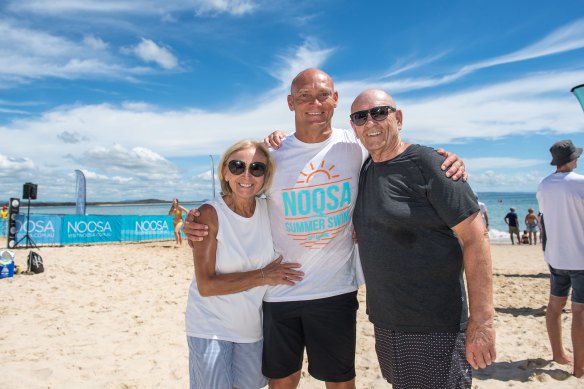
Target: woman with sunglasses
x: 233, y: 268
x: 177, y: 210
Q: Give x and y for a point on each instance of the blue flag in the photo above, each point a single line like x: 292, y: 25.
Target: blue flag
x: 80, y: 193
x: 578, y: 91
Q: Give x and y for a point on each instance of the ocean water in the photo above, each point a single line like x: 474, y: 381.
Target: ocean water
x: 498, y: 204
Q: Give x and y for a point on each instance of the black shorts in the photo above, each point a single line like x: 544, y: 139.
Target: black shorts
x: 423, y: 361
x: 326, y: 327
x: 562, y: 280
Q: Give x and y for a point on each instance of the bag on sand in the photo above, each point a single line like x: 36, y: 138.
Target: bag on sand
x: 35, y: 263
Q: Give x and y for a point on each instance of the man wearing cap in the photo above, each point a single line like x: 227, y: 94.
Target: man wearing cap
x: 512, y: 221
x: 561, y: 200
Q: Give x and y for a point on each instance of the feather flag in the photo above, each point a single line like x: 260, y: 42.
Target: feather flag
x: 80, y: 193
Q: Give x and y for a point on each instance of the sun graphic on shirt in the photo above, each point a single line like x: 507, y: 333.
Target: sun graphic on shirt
x: 316, y: 170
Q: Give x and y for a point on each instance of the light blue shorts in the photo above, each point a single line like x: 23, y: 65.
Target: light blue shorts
x: 220, y: 364
x: 532, y: 228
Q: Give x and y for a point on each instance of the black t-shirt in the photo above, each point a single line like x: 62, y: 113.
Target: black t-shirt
x: 512, y: 218
x: 412, y: 261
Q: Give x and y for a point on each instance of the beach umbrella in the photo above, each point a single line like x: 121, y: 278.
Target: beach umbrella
x: 578, y: 91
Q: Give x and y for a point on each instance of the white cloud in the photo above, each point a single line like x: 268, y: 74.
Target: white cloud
x: 32, y: 42
x: 68, y: 6
x: 491, y: 180
x: 72, y: 137
x: 479, y: 164
x: 536, y: 103
x: 410, y: 65
x: 149, y: 51
x: 91, y: 175
x: 94, y: 42
x: 14, y: 166
x: 308, y: 55
x: 126, y: 173
x: 140, y: 162
x: 566, y: 38
x: 202, y: 7
x: 16, y: 111
x: 27, y: 54
x: 138, y: 106
x: 122, y: 180
x: 204, y: 176
x: 235, y: 7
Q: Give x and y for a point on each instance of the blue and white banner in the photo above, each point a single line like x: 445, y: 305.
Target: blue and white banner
x: 79, y: 229
x: 139, y: 228
x: 80, y: 194
x: 42, y: 229
x: 84, y: 229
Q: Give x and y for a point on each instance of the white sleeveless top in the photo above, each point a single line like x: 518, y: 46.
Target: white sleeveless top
x: 243, y: 244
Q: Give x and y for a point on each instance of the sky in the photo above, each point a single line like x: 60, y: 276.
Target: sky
x: 143, y: 96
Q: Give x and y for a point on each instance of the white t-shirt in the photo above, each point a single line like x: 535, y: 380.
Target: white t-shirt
x: 561, y: 200
x: 483, y: 209
x: 311, y: 205
x: 243, y: 244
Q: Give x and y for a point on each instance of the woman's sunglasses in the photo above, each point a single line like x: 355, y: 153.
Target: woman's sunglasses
x: 377, y: 113
x: 256, y: 169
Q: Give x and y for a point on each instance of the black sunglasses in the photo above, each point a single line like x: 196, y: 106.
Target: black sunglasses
x: 377, y: 113
x: 256, y: 169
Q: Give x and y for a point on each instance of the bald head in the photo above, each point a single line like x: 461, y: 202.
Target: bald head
x: 372, y: 97
x: 311, y: 75
x: 377, y: 126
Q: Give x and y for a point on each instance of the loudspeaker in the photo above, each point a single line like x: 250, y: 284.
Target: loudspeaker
x: 13, y: 210
x: 29, y: 191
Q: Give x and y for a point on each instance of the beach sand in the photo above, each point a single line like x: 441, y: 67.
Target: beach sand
x: 112, y: 316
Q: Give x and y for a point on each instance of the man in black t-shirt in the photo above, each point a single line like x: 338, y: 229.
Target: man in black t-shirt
x: 406, y: 217
x: 513, y: 222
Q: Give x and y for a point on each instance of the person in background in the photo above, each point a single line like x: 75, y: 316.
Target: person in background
x: 177, y: 210
x: 4, y: 215
x: 531, y: 223
x: 525, y: 237
x: 233, y: 267
x: 541, y: 227
x: 512, y: 221
x: 409, y: 219
x: 561, y: 200
x: 483, y: 210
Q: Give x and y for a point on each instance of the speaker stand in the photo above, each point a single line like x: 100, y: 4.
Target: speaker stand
x: 29, y: 241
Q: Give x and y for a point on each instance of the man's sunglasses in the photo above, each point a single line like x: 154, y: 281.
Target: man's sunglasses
x: 256, y: 169
x: 377, y: 113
